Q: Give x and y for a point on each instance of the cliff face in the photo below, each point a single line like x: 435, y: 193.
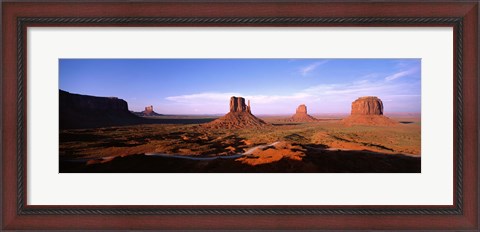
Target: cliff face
x: 367, y: 106
x: 237, y: 104
x: 239, y: 116
x: 301, y: 109
x: 83, y: 111
x: 91, y: 103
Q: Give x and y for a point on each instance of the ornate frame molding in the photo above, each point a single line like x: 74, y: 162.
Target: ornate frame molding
x: 23, y: 23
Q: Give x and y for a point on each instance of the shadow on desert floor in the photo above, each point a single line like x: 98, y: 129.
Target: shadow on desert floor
x: 406, y: 122
x: 316, y: 160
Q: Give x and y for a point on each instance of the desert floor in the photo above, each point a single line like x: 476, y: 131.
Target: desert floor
x: 326, y: 146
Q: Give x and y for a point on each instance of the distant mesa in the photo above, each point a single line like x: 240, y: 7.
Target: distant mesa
x: 83, y: 111
x: 148, y: 112
x: 301, y: 115
x: 240, y: 116
x: 368, y: 111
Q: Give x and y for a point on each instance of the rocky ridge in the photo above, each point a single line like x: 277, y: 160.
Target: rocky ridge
x: 83, y: 111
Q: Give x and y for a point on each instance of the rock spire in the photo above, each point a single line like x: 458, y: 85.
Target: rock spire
x: 239, y: 116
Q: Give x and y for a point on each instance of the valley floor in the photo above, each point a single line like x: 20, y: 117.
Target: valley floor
x: 326, y: 146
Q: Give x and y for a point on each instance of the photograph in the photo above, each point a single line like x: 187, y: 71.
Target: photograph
x: 243, y: 115
x: 240, y: 115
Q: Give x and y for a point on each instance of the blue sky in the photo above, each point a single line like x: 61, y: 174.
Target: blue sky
x: 274, y: 86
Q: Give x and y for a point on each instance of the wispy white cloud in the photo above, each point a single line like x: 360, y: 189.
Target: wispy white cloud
x: 352, y: 90
x: 266, y: 99
x: 370, y: 75
x: 321, y: 98
x: 307, y: 69
x: 329, y: 97
x: 361, y: 82
x: 215, y: 98
x: 400, y: 74
x: 204, y: 97
x: 405, y: 63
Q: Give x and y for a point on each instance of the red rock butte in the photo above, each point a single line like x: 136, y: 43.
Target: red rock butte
x: 367, y: 106
x: 239, y: 116
x: 301, y: 115
x: 368, y: 111
x: 147, y: 112
x: 148, y: 109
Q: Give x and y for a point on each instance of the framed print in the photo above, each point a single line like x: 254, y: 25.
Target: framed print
x: 233, y: 115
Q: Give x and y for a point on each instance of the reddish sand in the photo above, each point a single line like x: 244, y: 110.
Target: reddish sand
x: 274, y: 153
x: 375, y: 120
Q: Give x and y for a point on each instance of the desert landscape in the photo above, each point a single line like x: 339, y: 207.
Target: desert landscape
x: 365, y: 141
x: 101, y: 134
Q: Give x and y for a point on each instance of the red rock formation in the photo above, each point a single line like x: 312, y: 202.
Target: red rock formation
x: 91, y: 103
x: 82, y: 111
x: 237, y: 104
x: 148, y: 109
x: 367, y: 106
x: 239, y: 116
x: 368, y: 111
x: 301, y: 115
x: 147, y: 112
x: 301, y: 109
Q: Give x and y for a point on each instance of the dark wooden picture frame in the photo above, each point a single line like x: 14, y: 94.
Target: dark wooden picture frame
x: 462, y: 16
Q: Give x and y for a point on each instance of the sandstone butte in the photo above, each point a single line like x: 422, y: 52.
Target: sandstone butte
x: 240, y: 116
x: 301, y: 115
x: 368, y: 111
x: 148, y: 112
